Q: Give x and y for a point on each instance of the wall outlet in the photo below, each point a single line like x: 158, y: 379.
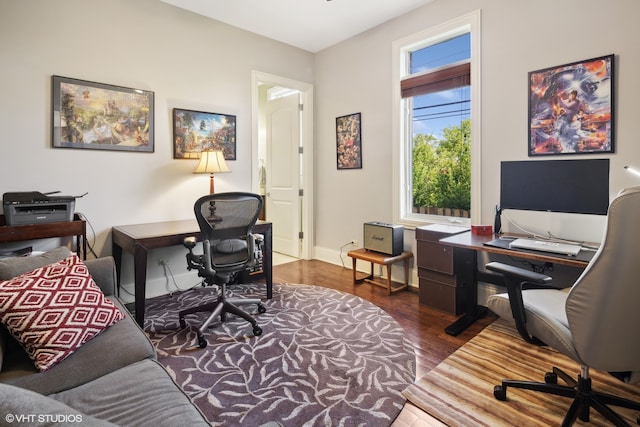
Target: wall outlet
x: 162, y: 261
x: 354, y: 242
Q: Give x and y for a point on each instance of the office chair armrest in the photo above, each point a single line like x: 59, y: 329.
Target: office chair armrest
x: 207, y: 266
x: 514, y: 279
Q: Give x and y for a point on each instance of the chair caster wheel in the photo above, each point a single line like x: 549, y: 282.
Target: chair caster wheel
x: 202, y: 342
x: 183, y: 324
x: 500, y: 393
x: 257, y: 330
x: 262, y: 309
x: 551, y: 378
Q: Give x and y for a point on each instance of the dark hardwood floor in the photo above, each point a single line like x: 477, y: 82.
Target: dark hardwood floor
x: 424, y: 326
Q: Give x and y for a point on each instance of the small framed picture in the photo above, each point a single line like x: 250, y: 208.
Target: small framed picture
x: 197, y: 131
x: 571, y: 108
x: 349, y: 141
x: 101, y: 116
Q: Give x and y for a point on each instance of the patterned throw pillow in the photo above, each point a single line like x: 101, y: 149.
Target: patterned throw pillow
x: 55, y: 309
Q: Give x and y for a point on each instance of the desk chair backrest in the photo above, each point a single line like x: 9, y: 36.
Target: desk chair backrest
x: 603, y: 306
x: 226, y: 221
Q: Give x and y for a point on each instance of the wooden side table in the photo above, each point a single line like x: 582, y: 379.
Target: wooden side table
x: 381, y: 259
x: 77, y: 227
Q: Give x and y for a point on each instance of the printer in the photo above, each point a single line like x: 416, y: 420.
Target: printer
x: 33, y: 207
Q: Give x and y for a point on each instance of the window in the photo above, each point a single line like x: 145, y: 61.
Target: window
x: 436, y: 88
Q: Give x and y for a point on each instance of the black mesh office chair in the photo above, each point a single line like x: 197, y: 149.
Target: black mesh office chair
x: 226, y: 221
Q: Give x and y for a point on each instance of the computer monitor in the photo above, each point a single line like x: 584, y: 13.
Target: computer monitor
x: 572, y: 186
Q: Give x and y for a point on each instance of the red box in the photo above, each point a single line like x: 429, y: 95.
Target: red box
x: 482, y: 229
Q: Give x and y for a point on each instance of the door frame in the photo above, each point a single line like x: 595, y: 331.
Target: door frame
x: 306, y: 132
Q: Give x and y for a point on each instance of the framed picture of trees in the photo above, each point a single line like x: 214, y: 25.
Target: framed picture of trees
x: 197, y: 131
x: 101, y: 116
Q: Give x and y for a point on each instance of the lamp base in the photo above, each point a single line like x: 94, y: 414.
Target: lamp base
x: 212, y: 217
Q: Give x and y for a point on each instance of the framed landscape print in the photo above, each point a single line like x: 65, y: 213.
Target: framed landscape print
x: 197, y: 131
x: 349, y: 141
x: 571, y: 108
x: 101, y: 116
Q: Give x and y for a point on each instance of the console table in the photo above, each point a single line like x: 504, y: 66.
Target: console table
x: 76, y: 228
x: 138, y: 239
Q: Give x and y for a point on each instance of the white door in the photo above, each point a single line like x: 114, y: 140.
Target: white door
x: 283, y: 173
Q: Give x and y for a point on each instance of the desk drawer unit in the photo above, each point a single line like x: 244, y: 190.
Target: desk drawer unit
x: 436, y: 272
x: 439, y: 291
x: 436, y: 257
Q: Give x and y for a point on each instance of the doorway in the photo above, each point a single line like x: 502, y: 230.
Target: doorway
x: 282, y: 160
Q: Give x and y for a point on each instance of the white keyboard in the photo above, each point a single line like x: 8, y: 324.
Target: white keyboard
x: 546, y: 246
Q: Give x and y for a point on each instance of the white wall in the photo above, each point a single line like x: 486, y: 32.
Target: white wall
x: 517, y: 37
x: 196, y: 63
x: 188, y: 61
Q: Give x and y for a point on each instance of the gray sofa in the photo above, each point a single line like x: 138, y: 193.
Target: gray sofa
x: 113, y: 379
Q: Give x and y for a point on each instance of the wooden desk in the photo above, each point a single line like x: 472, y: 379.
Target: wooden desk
x: 138, y: 239
x: 465, y: 257
x: 381, y: 259
x: 77, y: 228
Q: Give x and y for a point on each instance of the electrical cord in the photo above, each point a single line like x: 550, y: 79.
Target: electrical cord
x: 166, y: 268
x: 550, y: 237
x: 93, y: 232
x: 341, y: 248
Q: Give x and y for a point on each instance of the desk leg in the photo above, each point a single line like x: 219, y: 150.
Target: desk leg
x: 353, y: 269
x: 116, y: 252
x: 389, y: 279
x: 267, y: 260
x: 406, y: 273
x: 140, y: 278
x: 466, y: 269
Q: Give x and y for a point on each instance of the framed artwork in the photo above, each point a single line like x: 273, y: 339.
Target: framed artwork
x: 196, y: 131
x: 571, y: 108
x: 101, y: 116
x: 349, y: 141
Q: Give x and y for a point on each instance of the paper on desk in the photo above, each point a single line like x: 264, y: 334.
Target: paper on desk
x: 446, y: 228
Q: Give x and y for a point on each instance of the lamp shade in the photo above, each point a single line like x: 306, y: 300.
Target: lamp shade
x: 212, y: 162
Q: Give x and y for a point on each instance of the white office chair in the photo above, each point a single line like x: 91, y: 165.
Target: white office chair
x: 594, y: 322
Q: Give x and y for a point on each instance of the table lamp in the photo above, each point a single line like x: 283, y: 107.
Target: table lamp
x: 212, y: 162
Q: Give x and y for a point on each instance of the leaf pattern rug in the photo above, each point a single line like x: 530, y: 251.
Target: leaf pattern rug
x: 325, y: 358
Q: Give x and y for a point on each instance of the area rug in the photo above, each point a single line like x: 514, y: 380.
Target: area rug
x: 325, y: 358
x: 459, y: 391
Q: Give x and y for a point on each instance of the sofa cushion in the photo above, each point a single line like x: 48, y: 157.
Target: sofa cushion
x: 141, y: 394
x: 15, y: 266
x: 55, y: 309
x: 122, y: 344
x: 24, y: 407
x: 3, y: 344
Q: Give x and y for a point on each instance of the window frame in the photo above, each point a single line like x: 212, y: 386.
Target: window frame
x: 402, y: 126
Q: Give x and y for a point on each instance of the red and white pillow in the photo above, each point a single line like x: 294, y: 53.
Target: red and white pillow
x: 55, y: 309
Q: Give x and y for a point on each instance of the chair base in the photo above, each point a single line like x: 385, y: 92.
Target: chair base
x: 583, y: 396
x: 220, y: 308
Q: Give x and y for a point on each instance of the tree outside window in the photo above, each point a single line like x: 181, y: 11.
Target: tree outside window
x: 438, y: 90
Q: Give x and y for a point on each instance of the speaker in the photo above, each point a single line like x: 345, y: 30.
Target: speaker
x: 385, y: 238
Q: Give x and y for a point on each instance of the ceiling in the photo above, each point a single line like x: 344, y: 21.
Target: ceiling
x: 311, y: 25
